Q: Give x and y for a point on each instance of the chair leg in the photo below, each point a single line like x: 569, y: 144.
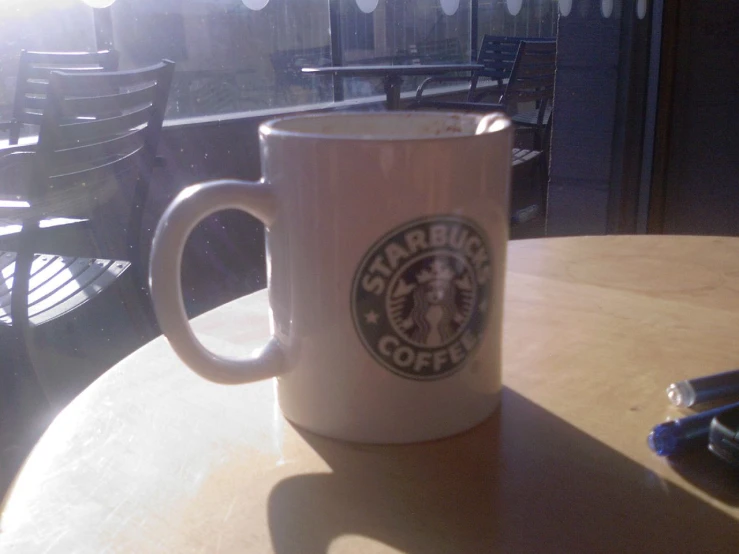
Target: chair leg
x: 15, y: 133
x: 544, y: 182
x: 25, y: 410
x: 21, y: 333
x: 139, y: 304
x: 25, y: 401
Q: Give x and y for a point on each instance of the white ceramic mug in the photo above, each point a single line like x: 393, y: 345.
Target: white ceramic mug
x: 386, y: 243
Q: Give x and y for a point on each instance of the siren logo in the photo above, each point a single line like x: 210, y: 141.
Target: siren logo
x: 420, y: 296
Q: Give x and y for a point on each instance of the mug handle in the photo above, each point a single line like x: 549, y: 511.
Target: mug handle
x: 189, y: 208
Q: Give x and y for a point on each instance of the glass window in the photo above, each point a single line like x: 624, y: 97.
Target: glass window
x: 238, y: 56
x: 401, y: 32
x: 232, y: 55
x: 532, y: 18
x: 41, y: 25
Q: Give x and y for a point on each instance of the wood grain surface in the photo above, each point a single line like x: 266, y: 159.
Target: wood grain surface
x: 153, y: 459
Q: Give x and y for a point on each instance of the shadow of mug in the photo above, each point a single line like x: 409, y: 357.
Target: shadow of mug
x: 523, y: 481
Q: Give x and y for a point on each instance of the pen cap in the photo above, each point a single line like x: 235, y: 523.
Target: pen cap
x: 663, y: 439
x: 708, y: 388
x: 681, y: 394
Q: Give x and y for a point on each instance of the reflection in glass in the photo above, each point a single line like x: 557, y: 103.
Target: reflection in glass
x: 57, y: 25
x: 400, y: 32
x: 606, y: 8
x: 230, y: 58
x: 449, y: 7
x: 641, y: 9
x: 99, y: 3
x: 255, y: 5
x: 367, y: 6
x: 565, y: 7
x: 536, y: 18
x: 514, y: 6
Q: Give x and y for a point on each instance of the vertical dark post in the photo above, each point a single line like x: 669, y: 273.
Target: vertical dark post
x: 474, y: 8
x: 674, y: 34
x: 628, y: 139
x: 103, y: 22
x: 337, y: 54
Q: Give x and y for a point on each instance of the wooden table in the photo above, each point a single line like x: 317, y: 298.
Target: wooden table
x: 392, y: 75
x: 151, y: 458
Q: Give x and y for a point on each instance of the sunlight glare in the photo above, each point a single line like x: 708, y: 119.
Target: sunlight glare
x: 9, y: 8
x: 99, y: 3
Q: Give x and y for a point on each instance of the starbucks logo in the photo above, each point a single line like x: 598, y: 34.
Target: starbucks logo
x: 420, y: 296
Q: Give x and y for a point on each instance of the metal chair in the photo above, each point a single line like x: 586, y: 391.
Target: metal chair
x: 34, y: 69
x: 530, y: 188
x: 522, y: 71
x: 97, y: 144
x: 496, y: 54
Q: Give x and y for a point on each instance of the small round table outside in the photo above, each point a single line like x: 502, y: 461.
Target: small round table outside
x: 153, y: 459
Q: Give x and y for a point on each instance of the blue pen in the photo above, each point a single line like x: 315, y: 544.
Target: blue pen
x: 704, y: 389
x: 673, y: 437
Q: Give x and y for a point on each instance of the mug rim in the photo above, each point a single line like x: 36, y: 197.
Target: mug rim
x: 272, y: 127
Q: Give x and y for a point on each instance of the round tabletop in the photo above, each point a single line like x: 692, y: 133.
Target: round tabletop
x: 151, y: 458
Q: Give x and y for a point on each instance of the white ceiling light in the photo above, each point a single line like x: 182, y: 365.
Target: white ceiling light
x: 641, y: 9
x: 367, y: 6
x: 449, y: 7
x: 255, y: 5
x: 514, y: 6
x: 99, y: 3
x: 606, y: 8
x: 565, y: 7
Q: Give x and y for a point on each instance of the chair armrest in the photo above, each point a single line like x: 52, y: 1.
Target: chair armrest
x: 440, y: 79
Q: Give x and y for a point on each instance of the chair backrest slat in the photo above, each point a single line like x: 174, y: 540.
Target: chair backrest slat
x: 105, y: 59
x: 499, y: 54
x: 110, y: 104
x: 37, y: 86
x: 37, y: 73
x: 532, y: 75
x: 34, y: 104
x: 91, y: 139
x: 533, y: 72
x: 531, y: 95
x: 94, y: 153
x: 35, y: 68
x: 31, y: 118
x: 119, y: 170
x: 500, y: 45
x: 80, y: 130
x: 101, y: 81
